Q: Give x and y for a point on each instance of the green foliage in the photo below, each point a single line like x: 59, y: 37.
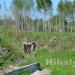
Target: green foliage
x: 24, y: 73
x: 28, y: 4
x: 66, y: 7
x: 23, y: 4
x: 18, y: 3
x: 13, y: 51
x: 44, y: 4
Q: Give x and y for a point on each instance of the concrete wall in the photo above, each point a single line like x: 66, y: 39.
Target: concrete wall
x: 29, y: 68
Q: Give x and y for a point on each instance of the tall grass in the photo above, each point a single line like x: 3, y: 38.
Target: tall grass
x: 49, y: 46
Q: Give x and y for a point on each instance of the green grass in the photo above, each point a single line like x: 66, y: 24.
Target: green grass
x: 59, y: 46
x: 44, y: 54
x: 24, y: 73
x: 49, y: 46
x: 8, y: 41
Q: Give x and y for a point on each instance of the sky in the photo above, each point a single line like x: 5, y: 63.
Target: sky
x: 8, y: 4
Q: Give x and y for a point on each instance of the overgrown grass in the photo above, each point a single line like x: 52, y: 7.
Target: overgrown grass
x: 57, y: 69
x: 44, y: 54
x: 58, y: 46
x: 7, y: 41
x: 49, y: 46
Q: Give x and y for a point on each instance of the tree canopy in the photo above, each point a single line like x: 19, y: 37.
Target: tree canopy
x: 26, y: 4
x: 44, y: 4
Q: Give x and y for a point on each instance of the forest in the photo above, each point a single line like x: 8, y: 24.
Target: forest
x: 63, y: 21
